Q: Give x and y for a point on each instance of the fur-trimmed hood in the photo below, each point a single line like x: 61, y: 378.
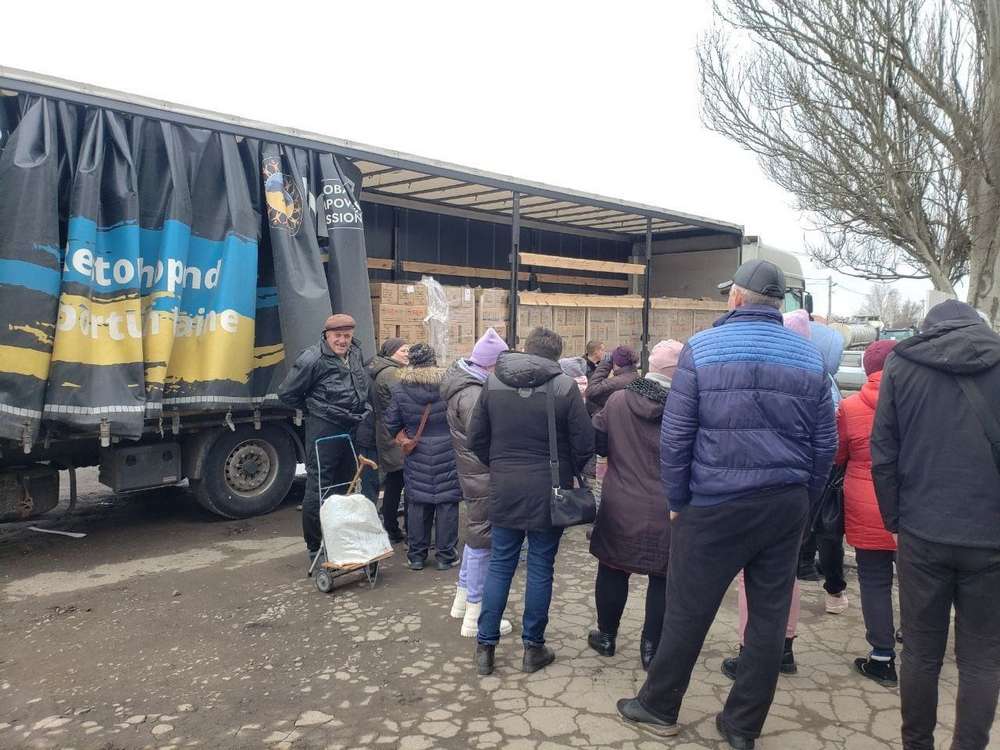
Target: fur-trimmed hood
x: 422, y: 375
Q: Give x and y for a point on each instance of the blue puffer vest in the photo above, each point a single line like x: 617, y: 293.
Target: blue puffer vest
x: 749, y: 410
x: 429, y: 472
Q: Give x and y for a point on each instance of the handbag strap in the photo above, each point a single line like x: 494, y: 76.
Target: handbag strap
x: 550, y: 408
x: 983, y: 412
x: 423, y: 423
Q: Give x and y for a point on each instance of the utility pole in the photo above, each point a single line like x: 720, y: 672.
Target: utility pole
x: 829, y: 298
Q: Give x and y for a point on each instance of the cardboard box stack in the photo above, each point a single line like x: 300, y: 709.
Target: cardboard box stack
x: 492, y: 309
x: 461, y: 320
x: 571, y: 324
x: 399, y: 310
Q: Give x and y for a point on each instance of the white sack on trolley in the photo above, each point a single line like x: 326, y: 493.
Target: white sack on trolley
x: 352, y: 530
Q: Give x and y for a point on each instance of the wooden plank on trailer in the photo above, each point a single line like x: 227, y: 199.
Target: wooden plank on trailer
x: 582, y: 264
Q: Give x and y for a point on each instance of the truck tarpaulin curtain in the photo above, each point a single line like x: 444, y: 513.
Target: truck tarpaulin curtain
x: 132, y: 272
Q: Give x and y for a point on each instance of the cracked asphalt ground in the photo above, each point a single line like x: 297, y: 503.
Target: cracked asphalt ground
x: 168, y: 628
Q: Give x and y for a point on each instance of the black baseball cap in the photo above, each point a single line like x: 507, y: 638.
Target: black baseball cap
x: 760, y: 276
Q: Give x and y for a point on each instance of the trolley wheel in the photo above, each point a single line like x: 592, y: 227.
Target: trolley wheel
x: 324, y: 580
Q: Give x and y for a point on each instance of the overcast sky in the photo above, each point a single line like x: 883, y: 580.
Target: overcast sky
x: 600, y: 97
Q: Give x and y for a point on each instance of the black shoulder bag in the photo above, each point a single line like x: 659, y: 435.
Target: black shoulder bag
x: 828, y: 518
x: 568, y: 507
x: 986, y: 417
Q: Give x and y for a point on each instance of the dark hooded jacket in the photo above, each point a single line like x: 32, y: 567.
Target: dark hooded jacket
x: 509, y: 433
x: 633, y: 522
x: 933, y: 468
x: 327, y: 386
x: 602, y: 384
x: 384, y: 373
x: 461, y: 387
x: 429, y: 472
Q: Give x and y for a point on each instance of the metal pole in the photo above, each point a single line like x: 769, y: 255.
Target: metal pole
x: 829, y: 298
x: 645, y: 294
x: 515, y: 264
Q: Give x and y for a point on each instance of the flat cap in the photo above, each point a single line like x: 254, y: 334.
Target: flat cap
x: 340, y: 322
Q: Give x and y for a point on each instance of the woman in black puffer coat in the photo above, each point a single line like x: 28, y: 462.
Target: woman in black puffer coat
x: 429, y: 472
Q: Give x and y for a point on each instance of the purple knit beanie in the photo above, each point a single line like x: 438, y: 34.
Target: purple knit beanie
x: 623, y: 356
x: 487, y: 349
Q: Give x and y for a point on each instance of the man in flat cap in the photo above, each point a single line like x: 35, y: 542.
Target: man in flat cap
x: 329, y: 383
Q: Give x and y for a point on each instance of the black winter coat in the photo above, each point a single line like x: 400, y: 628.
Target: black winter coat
x: 429, y: 472
x: 933, y: 469
x: 602, y: 384
x: 327, y: 386
x: 461, y: 388
x: 384, y: 373
x: 509, y: 433
x: 632, y: 531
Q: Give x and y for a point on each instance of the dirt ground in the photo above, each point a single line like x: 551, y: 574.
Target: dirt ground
x: 167, y: 627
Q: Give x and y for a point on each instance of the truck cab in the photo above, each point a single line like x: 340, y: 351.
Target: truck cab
x: 796, y: 296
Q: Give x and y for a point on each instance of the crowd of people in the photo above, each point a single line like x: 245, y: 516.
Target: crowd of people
x: 715, y: 458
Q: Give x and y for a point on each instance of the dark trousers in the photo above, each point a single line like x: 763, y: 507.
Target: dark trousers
x: 933, y: 578
x: 875, y: 574
x: 338, y: 467
x: 392, y: 490
x: 543, y: 545
x: 831, y: 560
x: 611, y: 595
x: 708, y: 547
x: 443, y: 519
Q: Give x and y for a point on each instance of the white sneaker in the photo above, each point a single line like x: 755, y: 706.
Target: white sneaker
x: 470, y: 624
x: 459, y: 603
x: 836, y: 605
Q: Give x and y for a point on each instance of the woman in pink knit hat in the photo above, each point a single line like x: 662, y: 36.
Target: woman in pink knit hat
x: 632, y: 531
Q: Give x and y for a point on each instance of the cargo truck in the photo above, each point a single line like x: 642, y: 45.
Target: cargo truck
x: 160, y: 265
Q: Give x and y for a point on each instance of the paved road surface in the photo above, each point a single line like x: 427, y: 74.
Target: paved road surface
x: 165, y: 627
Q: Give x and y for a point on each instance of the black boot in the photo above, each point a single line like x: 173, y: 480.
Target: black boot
x: 731, y: 664
x: 788, y: 665
x: 484, y: 659
x: 632, y: 711
x: 882, y: 672
x: 537, y: 657
x: 647, y: 650
x: 602, y: 643
x: 735, y: 741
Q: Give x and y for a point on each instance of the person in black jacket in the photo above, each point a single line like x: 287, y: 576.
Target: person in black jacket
x: 938, y: 487
x: 509, y: 433
x: 329, y: 383
x: 430, y: 472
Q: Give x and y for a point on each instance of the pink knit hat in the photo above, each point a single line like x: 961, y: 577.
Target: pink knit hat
x: 488, y: 348
x: 663, y: 358
x: 798, y: 321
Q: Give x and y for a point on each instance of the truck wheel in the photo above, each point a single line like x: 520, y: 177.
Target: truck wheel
x: 247, y: 472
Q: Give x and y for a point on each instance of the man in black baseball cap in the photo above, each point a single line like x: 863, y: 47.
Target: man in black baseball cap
x: 759, y: 277
x: 748, y: 439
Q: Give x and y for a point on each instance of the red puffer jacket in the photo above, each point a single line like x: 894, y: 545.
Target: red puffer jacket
x: 862, y: 518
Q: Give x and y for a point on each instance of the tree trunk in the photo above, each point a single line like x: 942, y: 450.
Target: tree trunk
x: 984, y: 195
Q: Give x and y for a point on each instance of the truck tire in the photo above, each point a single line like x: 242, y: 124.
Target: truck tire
x: 247, y: 472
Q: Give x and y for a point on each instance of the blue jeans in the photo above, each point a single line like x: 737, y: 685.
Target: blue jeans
x: 506, y: 544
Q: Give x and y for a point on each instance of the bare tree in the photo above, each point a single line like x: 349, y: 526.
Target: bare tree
x: 882, y: 118
x: 886, y: 304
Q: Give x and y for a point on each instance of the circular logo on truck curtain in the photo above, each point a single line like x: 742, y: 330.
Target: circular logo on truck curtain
x: 284, y: 201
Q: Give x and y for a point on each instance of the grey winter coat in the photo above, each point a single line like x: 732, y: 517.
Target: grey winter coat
x: 385, y: 374
x: 461, y: 388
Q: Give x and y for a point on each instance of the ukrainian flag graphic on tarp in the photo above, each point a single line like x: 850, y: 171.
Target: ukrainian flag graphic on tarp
x: 132, y: 277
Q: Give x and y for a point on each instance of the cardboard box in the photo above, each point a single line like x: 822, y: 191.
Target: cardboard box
x: 602, y: 325
x: 569, y: 321
x: 492, y: 310
x: 399, y: 294
x: 630, y: 327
